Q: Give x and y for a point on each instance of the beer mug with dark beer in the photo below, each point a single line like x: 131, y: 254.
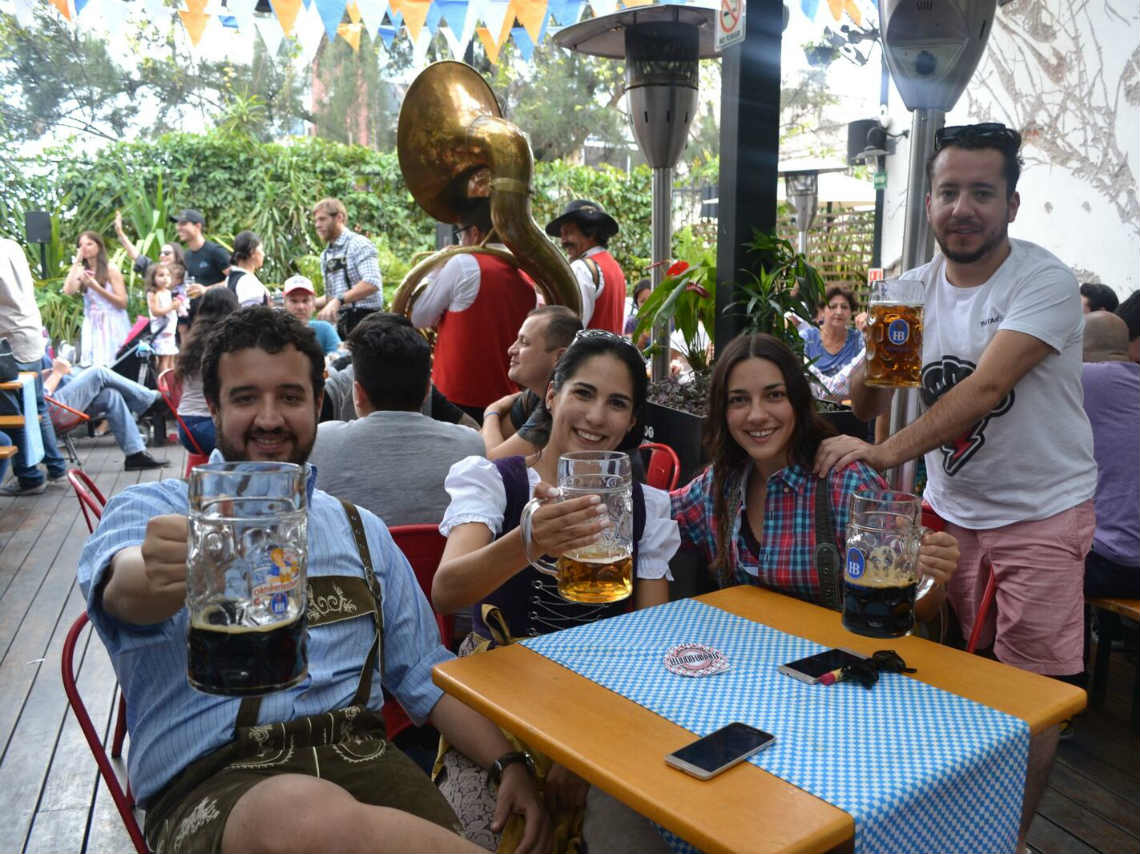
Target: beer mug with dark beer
x: 880, y: 579
x: 245, y: 577
x: 603, y: 571
x: 894, y: 333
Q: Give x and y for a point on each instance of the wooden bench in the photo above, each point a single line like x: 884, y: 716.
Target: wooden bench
x: 11, y: 421
x: 1107, y: 631
x: 8, y: 451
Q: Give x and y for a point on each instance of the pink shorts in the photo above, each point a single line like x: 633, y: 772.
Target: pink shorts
x: 1036, y: 621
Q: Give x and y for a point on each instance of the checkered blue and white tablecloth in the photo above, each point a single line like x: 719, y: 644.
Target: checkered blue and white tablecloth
x: 918, y: 768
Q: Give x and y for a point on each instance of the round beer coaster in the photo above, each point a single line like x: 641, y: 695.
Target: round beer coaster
x: 695, y: 659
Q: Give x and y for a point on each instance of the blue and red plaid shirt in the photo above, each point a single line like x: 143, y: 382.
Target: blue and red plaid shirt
x: 786, y: 558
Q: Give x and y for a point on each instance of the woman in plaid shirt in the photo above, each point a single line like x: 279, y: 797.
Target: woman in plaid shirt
x: 752, y: 512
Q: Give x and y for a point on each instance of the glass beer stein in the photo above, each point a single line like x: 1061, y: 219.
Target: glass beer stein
x: 880, y: 578
x: 894, y: 333
x: 245, y: 577
x: 603, y: 571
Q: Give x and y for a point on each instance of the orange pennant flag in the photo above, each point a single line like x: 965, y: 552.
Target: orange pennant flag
x: 531, y: 14
x: 489, y: 44
x: 63, y: 7
x: 353, y: 12
x: 195, y: 23
x: 196, y: 6
x: 351, y: 34
x: 628, y: 3
x: 836, y: 7
x: 854, y: 11
x: 414, y: 12
x: 287, y: 11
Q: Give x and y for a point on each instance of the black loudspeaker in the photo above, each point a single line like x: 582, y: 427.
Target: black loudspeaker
x: 857, y: 138
x: 38, y: 226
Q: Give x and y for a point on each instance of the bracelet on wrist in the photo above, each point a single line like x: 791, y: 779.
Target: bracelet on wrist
x: 495, y: 412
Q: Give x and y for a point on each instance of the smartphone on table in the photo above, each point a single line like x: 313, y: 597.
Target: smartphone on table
x: 719, y: 750
x: 812, y: 668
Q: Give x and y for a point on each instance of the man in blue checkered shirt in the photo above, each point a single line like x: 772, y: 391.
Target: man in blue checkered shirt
x: 350, y: 269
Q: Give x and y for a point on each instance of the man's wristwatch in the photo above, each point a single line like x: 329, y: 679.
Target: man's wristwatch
x: 495, y: 772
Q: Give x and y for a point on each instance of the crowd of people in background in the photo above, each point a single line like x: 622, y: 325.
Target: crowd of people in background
x: 1038, y: 487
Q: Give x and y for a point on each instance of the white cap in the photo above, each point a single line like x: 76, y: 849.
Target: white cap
x: 298, y: 283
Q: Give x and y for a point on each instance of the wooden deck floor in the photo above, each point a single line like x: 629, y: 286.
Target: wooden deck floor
x: 51, y: 797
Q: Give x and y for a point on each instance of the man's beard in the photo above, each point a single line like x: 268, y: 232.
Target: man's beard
x: 988, y: 245
x: 234, y: 454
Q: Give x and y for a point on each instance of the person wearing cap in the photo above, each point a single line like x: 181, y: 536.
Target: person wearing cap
x: 350, y: 266
x: 301, y: 302
x: 207, y: 263
x: 477, y: 302
x: 585, y: 229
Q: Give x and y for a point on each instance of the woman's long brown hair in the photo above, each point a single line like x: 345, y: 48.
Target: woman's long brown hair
x: 100, y: 259
x: 729, y: 460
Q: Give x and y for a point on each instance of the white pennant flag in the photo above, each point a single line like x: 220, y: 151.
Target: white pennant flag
x: 474, y: 14
x: 603, y: 7
x: 453, y: 43
x: 372, y: 15
x: 309, y: 31
x: 242, y: 12
x: 270, y: 31
x: 494, y: 11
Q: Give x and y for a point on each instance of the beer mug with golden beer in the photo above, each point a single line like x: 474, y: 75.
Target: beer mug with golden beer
x: 245, y: 577
x: 603, y: 571
x: 880, y: 578
x: 894, y: 333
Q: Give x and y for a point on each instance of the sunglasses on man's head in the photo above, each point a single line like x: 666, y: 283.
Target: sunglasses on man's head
x: 987, y: 132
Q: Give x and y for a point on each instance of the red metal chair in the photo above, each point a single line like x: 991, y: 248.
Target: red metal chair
x: 423, y: 546
x: 663, y: 467
x: 91, y: 500
x: 934, y: 522
x: 65, y: 419
x: 170, y: 387
x: 123, y: 800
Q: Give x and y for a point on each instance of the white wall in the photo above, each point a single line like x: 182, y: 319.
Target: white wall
x: 1066, y: 73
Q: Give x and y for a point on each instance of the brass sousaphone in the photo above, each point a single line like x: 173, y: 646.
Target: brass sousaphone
x: 455, y: 147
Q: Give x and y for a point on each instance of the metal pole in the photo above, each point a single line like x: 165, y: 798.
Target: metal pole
x: 662, y: 252
x: 918, y: 246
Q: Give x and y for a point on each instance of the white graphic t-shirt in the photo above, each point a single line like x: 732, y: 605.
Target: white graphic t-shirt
x: 1031, y: 456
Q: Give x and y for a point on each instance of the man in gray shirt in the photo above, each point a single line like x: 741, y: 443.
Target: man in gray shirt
x: 392, y: 459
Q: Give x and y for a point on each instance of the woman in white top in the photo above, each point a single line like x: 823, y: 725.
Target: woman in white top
x: 105, y: 321
x: 595, y: 399
x: 193, y: 412
x: 245, y: 261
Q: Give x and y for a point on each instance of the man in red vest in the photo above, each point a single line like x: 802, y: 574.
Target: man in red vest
x: 585, y: 230
x: 477, y: 302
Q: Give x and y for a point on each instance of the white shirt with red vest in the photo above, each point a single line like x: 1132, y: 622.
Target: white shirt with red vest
x: 478, y: 303
x: 603, y: 294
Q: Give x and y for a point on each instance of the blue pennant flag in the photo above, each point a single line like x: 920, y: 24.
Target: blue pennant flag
x: 433, y: 16
x: 229, y: 21
x: 79, y: 4
x: 809, y: 7
x: 331, y: 12
x: 387, y: 33
x: 452, y: 11
x: 522, y: 42
x: 565, y: 12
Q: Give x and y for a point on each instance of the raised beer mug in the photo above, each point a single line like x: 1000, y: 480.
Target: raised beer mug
x: 880, y: 574
x: 894, y: 333
x: 603, y: 571
x: 245, y: 577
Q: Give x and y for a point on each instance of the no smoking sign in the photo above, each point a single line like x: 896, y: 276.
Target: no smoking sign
x: 729, y: 24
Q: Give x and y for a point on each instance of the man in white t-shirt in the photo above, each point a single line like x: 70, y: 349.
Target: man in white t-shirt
x: 1008, y: 445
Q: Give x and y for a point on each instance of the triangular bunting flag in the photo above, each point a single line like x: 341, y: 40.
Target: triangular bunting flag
x: 271, y: 35
x: 809, y: 8
x: 854, y: 11
x: 331, y: 13
x: 80, y: 5
x: 494, y: 16
x: 628, y: 3
x: 471, y: 19
x: 452, y: 38
x: 194, y: 22
x: 566, y: 12
x: 420, y: 49
x: 531, y: 14
x: 434, y: 16
x: 489, y: 45
x: 309, y: 34
x: 836, y: 7
x: 414, y: 13
x: 242, y: 13
x: 371, y: 15
x: 62, y: 7
x: 387, y: 34
x: 523, y: 44
x: 351, y: 33
x: 286, y: 12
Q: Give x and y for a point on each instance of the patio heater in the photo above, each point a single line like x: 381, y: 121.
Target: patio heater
x: 931, y: 50
x: 661, y: 46
x: 801, y: 191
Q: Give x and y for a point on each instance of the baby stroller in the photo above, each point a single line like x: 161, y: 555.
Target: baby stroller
x: 136, y: 361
